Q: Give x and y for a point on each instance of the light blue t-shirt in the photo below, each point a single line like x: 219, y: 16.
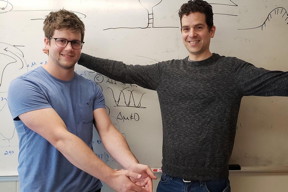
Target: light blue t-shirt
x: 42, y: 168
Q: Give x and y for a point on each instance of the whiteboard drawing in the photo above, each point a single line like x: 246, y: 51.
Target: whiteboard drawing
x: 149, y: 6
x: 5, y: 6
x: 220, y: 2
x: 277, y: 12
x: 127, y: 98
x: 3, y: 102
x: 8, y: 133
x: 11, y: 58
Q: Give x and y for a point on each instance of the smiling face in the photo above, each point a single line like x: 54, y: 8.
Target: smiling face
x: 63, y: 58
x: 196, y: 35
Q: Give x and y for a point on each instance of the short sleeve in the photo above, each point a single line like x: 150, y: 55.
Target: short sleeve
x: 25, y: 96
x: 99, y: 100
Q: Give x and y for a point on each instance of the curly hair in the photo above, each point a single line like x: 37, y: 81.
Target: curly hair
x: 201, y: 6
x: 63, y: 19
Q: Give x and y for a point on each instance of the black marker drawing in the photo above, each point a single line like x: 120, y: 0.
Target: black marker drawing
x: 11, y: 56
x: 232, y: 3
x: 279, y: 11
x: 80, y: 15
x: 132, y: 117
x: 228, y: 4
x: 5, y: 6
x: 3, y: 103
x: 6, y: 135
x: 7, y: 138
x: 126, y: 98
x: 149, y: 6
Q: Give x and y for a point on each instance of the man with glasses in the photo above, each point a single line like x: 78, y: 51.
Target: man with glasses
x: 54, y: 109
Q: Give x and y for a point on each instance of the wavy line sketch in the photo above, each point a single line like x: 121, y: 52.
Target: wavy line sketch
x: 11, y: 56
x: 126, y: 98
x: 278, y: 11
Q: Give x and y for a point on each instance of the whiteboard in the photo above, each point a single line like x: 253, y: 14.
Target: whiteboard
x: 145, y: 32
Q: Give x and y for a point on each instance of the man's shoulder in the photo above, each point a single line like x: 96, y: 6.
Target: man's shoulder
x: 31, y: 74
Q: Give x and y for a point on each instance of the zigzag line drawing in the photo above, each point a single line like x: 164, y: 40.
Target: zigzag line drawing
x: 127, y: 99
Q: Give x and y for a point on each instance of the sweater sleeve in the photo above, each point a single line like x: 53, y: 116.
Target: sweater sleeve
x: 256, y: 81
x: 147, y: 76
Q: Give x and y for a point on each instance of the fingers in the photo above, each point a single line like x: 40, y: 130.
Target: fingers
x: 150, y: 173
x: 144, y: 182
x: 143, y: 169
x: 133, y: 174
x: 147, y: 184
x: 120, y: 181
x: 140, y: 177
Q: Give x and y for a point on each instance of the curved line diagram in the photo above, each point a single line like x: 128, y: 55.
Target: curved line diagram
x: 12, y: 134
x: 3, y: 107
x: 14, y: 54
x: 129, y: 102
x: 231, y: 4
x: 79, y: 14
x: 150, y: 13
x: 1, y: 100
x: 277, y: 11
x: 5, y: 138
x: 6, y: 7
x: 226, y: 4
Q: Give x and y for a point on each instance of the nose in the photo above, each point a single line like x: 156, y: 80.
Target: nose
x: 69, y: 45
x: 192, y: 32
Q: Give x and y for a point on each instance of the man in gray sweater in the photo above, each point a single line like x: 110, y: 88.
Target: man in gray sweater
x: 199, y: 98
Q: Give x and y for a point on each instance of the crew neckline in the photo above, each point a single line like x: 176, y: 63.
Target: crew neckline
x: 213, y: 57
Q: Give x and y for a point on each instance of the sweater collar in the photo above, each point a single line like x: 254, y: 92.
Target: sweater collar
x: 214, y: 57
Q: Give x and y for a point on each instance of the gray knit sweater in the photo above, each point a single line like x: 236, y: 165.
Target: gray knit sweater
x: 199, y: 106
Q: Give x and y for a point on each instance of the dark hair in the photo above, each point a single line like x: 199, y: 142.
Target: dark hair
x: 201, y: 6
x: 63, y: 19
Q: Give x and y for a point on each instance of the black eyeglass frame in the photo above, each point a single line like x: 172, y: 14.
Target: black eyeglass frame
x: 66, y: 41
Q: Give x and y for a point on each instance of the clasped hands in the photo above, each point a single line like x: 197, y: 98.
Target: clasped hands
x: 137, y: 177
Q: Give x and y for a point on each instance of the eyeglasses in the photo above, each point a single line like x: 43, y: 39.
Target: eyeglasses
x: 62, y: 42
